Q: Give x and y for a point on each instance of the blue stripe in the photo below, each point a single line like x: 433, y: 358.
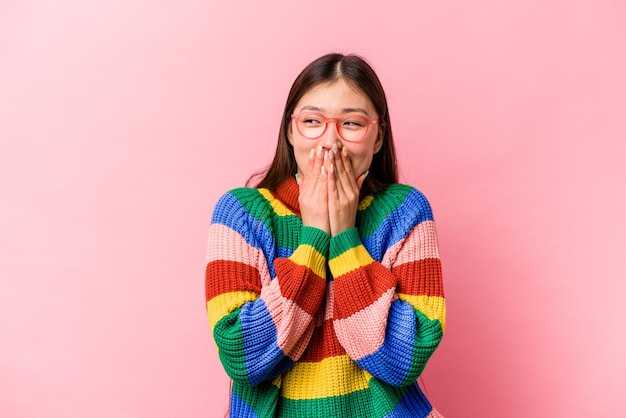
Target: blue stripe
x: 264, y: 359
x: 392, y: 361
x: 284, y: 252
x: 230, y: 213
x: 412, y: 404
x: 414, y: 210
x: 240, y: 409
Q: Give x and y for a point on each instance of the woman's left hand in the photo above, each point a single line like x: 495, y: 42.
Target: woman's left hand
x: 343, y: 191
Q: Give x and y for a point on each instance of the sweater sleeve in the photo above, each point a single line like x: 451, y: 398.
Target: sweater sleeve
x: 389, y: 316
x: 260, y: 312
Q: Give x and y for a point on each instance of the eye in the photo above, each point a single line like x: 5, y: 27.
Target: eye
x: 312, y: 120
x: 354, y: 122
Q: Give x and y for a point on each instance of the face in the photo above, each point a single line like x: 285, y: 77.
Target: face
x: 335, y: 100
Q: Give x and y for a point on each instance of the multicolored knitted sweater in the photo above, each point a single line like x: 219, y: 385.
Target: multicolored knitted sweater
x: 312, y: 326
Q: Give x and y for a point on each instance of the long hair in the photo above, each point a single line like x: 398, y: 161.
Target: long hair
x: 359, y: 74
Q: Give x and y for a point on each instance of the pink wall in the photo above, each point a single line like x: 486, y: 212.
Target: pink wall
x: 121, y: 122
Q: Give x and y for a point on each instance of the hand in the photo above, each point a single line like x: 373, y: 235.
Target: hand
x: 343, y: 191
x: 313, y: 197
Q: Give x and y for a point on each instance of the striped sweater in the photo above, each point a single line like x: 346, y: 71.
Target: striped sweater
x: 309, y: 325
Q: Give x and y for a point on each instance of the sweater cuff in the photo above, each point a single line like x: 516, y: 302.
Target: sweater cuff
x: 344, y: 241
x: 316, y: 238
x: 312, y: 250
x: 347, y: 253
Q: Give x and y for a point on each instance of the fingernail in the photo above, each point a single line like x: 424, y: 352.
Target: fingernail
x: 335, y: 149
x: 331, y: 169
x: 319, y: 150
x: 344, y: 151
x: 312, y: 153
x: 322, y: 170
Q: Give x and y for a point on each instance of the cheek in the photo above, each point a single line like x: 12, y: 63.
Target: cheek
x: 361, y: 159
x: 302, y: 147
x: 301, y: 152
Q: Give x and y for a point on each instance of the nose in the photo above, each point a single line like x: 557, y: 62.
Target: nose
x: 330, y: 136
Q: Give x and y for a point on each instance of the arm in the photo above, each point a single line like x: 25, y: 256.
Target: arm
x: 390, y: 316
x: 260, y: 313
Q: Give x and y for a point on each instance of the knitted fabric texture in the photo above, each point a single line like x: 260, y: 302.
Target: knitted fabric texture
x: 309, y: 325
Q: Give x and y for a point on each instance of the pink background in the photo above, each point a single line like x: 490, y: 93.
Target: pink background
x: 121, y: 122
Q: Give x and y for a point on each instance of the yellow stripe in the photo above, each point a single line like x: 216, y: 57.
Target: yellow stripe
x: 333, y: 376
x: 367, y: 200
x: 350, y: 260
x: 307, y: 256
x: 279, y: 208
x: 434, y: 307
x: 222, y: 305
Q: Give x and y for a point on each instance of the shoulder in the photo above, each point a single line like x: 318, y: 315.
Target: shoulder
x: 390, y: 215
x: 238, y: 203
x: 388, y: 218
x: 402, y: 201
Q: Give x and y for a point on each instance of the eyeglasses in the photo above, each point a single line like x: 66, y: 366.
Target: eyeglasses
x: 352, y: 127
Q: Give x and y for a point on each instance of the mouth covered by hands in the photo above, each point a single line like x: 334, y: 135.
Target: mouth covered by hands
x: 329, y: 190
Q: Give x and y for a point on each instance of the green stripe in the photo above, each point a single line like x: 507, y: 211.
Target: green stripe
x: 356, y: 404
x: 262, y: 398
x: 344, y: 241
x: 391, y: 395
x: 424, y: 344
x: 284, y: 229
x: 368, y: 220
x: 316, y: 238
x: 377, y: 401
x: 228, y: 335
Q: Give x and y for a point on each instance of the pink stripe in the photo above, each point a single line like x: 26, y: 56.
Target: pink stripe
x: 363, y: 333
x: 293, y: 324
x: 236, y: 250
x: 330, y: 301
x: 421, y: 243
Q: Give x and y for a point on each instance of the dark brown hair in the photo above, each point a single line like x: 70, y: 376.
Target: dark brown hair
x: 359, y: 74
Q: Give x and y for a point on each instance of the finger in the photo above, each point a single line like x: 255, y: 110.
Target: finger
x: 326, y: 163
x: 331, y: 187
x: 346, y: 175
x: 347, y: 163
x: 316, y: 160
x: 339, y: 173
x: 340, y: 168
x: 322, y: 186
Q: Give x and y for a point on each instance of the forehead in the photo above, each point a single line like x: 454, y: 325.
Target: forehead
x: 335, y: 96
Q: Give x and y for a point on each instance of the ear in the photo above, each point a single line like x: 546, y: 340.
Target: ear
x: 289, y: 135
x: 379, y: 141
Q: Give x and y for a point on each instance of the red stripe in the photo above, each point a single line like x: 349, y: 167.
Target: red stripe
x: 300, y: 284
x: 360, y: 288
x: 324, y: 344
x: 223, y: 276
x: 421, y: 277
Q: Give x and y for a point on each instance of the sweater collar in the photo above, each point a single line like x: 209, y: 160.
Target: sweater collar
x: 288, y: 193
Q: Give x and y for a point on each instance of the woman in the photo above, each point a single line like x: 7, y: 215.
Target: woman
x: 323, y: 283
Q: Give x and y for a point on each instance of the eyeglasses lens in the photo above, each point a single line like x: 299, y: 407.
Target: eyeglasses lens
x: 351, y: 127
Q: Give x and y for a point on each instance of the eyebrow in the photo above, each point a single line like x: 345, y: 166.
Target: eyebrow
x: 345, y: 110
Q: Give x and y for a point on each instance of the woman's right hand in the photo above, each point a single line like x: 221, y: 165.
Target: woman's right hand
x: 314, y: 191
